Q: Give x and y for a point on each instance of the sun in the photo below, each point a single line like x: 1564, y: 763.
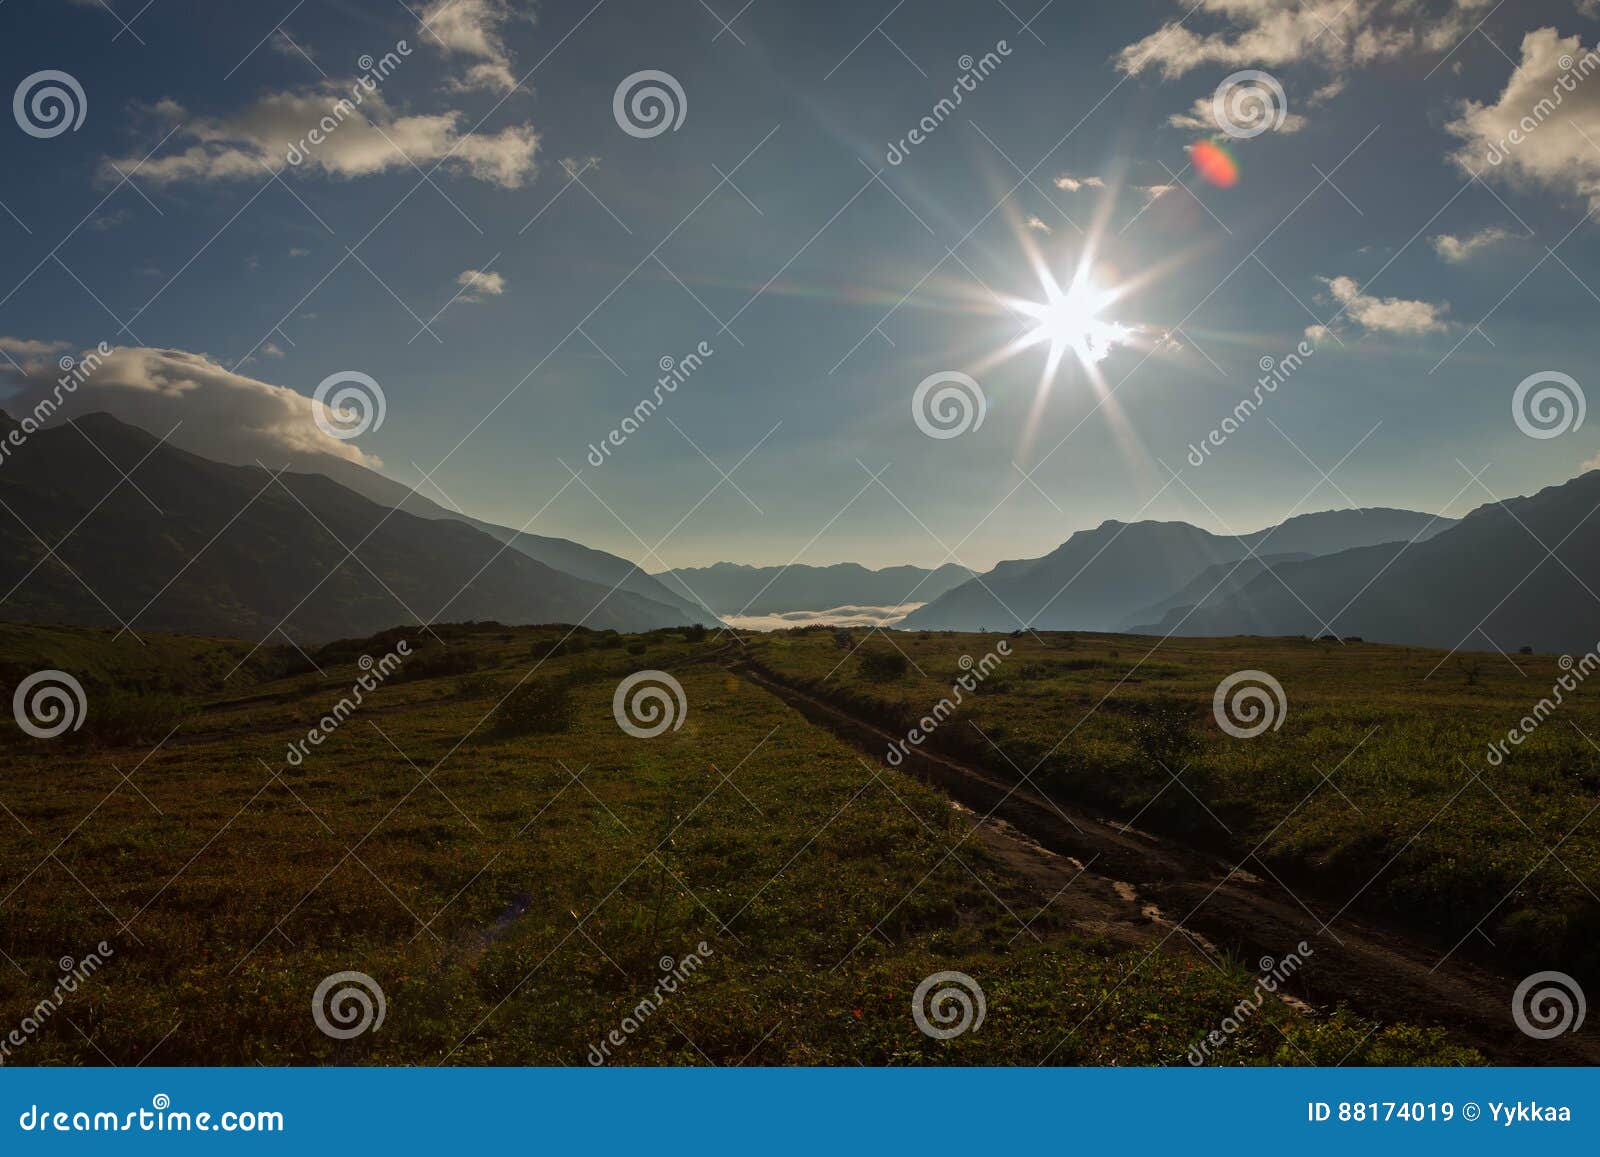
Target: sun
x: 1070, y: 319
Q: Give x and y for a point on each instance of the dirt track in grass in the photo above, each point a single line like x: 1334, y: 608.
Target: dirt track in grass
x: 1137, y: 888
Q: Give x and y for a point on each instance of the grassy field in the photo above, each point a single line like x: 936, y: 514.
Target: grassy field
x: 1412, y: 820
x: 514, y: 879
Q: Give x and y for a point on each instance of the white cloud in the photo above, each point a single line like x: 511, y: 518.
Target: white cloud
x: 35, y: 357
x: 225, y: 415
x: 849, y: 616
x: 284, y: 43
x: 1535, y: 131
x: 296, y: 251
x: 478, y: 284
x: 1384, y: 314
x: 28, y: 347
x: 1070, y: 184
x: 472, y: 29
x: 111, y: 220
x: 1153, y: 193
x: 1202, y: 117
x: 363, y: 139
x: 1458, y: 249
x: 271, y: 349
x: 1333, y: 34
x: 1038, y: 224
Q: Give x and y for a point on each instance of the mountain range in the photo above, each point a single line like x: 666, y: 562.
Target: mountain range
x: 1512, y: 574
x: 104, y: 525
x: 729, y: 588
x: 1119, y: 573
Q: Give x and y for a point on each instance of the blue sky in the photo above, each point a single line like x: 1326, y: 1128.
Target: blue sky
x: 827, y: 293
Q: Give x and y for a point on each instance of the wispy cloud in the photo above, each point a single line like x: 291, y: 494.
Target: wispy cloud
x: 1068, y: 183
x: 1333, y: 34
x: 473, y: 29
x: 1202, y: 118
x: 1396, y: 315
x: 365, y: 140
x: 1458, y: 249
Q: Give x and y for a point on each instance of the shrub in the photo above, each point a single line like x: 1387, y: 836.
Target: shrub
x: 478, y: 685
x: 636, y: 648
x: 568, y: 645
x: 433, y: 663
x: 1165, y: 733
x: 536, y: 707
x: 883, y: 666
x: 120, y: 718
x: 694, y: 633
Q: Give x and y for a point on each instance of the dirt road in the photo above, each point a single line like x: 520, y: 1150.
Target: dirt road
x: 1135, y: 888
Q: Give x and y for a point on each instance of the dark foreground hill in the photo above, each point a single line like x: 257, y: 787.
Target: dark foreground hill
x: 187, y: 544
x: 573, y: 558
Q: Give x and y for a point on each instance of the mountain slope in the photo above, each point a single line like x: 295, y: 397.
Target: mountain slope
x: 1098, y: 578
x: 1330, y: 531
x: 563, y: 554
x: 1487, y: 581
x: 733, y: 589
x: 194, y: 545
x: 1211, y: 586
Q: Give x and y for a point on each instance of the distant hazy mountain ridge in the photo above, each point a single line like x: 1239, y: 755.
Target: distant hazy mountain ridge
x: 1099, y: 579
x: 734, y: 589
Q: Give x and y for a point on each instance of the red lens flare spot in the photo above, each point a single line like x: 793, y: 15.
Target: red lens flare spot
x: 1215, y: 164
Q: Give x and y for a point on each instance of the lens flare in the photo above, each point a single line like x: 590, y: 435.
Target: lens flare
x: 1215, y: 164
